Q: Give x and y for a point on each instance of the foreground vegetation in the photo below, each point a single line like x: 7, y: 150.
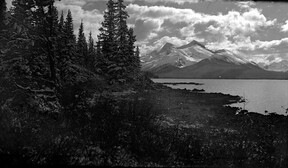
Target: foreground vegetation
x: 139, y: 128
x: 66, y: 102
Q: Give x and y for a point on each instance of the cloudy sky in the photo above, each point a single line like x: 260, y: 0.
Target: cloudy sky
x: 257, y: 29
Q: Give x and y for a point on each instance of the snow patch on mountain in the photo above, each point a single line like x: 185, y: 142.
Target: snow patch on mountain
x: 230, y: 56
x: 181, y: 57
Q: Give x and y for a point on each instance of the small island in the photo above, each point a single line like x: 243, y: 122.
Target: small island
x: 181, y: 83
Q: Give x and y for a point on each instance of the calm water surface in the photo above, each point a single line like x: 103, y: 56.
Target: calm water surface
x: 260, y: 95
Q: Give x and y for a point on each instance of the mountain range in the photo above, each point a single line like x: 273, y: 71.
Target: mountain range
x: 277, y: 66
x: 194, y: 60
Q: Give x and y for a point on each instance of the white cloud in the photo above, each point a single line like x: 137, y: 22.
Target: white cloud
x: 78, y: 2
x: 173, y: 40
x: 266, y: 45
x: 266, y: 58
x: 91, y: 19
x: 232, y: 30
x: 285, y: 27
x: 215, y: 29
x: 245, y: 4
x: 161, y: 12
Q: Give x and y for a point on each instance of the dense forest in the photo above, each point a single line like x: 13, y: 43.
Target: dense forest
x: 57, y: 89
x: 68, y: 100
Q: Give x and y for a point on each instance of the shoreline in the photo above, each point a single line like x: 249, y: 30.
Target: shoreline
x: 182, y: 83
x: 239, y: 104
x: 194, y: 107
x: 220, y: 127
x: 189, y: 105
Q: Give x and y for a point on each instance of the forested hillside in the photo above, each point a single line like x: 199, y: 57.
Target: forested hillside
x: 60, y: 91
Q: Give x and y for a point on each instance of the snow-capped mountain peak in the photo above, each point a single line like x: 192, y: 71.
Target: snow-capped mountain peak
x: 166, y: 48
x: 277, y: 66
x: 191, y: 44
x: 230, y: 57
x: 180, y: 57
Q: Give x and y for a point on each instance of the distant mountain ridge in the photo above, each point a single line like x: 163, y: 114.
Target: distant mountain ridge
x: 277, y: 66
x: 219, y: 67
x: 194, y: 60
x: 179, y: 57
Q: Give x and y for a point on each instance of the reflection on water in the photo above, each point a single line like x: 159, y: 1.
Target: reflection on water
x: 261, y: 95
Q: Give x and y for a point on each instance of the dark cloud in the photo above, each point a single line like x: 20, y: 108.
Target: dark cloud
x: 143, y: 28
x: 100, y: 5
x: 170, y: 25
x: 172, y: 29
x: 271, y: 58
x: 209, y: 31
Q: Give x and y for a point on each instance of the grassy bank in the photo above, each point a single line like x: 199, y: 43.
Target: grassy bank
x: 215, y: 136
x: 145, y: 125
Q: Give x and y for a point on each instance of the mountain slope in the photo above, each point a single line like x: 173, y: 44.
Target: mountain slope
x: 178, y: 57
x: 278, y: 66
x: 224, y: 64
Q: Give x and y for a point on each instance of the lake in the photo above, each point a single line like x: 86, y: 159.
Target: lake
x: 260, y: 95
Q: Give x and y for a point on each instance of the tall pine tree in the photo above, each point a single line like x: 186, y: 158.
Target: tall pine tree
x: 122, y: 39
x: 117, y: 56
x: 63, y: 57
x: 61, y: 23
x: 2, y: 25
x: 70, y: 40
x: 52, y: 24
x: 3, y: 39
x: 134, y: 62
x: 2, y: 14
x: 107, y: 43
x: 82, y: 48
x: 137, y: 59
x: 91, y: 53
x: 122, y: 29
x: 91, y: 48
x: 30, y: 57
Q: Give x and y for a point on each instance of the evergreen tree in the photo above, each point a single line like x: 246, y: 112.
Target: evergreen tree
x: 18, y: 56
x: 107, y: 43
x: 61, y: 23
x: 70, y: 39
x: 3, y: 40
x: 117, y: 57
x: 45, y: 23
x: 98, y: 49
x: 134, y: 61
x: 82, y: 48
x: 91, y: 53
x: 68, y: 27
x: 91, y: 48
x: 137, y: 58
x: 52, y: 24
x: 2, y: 25
x: 30, y: 57
x: 63, y: 59
x: 2, y: 14
x: 122, y: 29
x: 122, y: 39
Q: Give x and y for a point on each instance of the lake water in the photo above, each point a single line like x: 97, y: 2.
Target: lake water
x: 260, y: 95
